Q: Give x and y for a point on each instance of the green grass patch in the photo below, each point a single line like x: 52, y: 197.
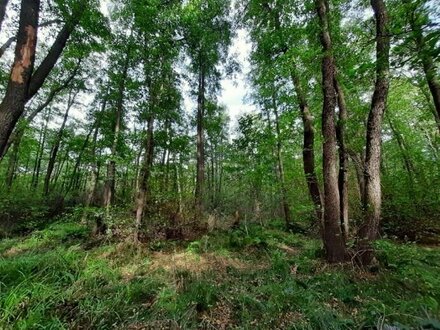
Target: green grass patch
x: 253, y: 277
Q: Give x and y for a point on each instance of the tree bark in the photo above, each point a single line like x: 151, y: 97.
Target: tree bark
x: 144, y: 176
x: 109, y: 189
x: 309, y: 149
x: 15, y: 97
x: 284, y: 197
x: 334, y: 243
x: 17, y: 134
x: 343, y: 158
x: 48, y: 63
x: 373, y: 194
x: 200, y: 176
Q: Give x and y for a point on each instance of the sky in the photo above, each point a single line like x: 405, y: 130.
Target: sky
x: 234, y: 89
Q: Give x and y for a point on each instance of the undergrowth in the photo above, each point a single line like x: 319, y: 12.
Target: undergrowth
x: 249, y: 278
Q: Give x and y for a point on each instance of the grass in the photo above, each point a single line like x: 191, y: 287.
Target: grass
x: 60, y: 278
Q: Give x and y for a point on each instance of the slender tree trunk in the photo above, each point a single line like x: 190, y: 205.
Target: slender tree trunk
x: 12, y: 106
x: 56, y: 146
x: 334, y: 243
x: 343, y: 158
x: 200, y: 176
x: 284, y: 197
x: 36, y: 173
x: 74, y: 176
x: 309, y: 149
x: 141, y: 200
x: 428, y: 66
x: 373, y: 193
x: 110, y: 184
x: 404, y: 153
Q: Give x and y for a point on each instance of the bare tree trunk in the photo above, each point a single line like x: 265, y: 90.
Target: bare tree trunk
x: 334, y: 243
x: 343, y: 158
x: 37, y: 167
x: 141, y: 200
x: 284, y: 197
x: 17, y: 90
x: 56, y: 146
x: 308, y: 149
x: 200, y: 176
x: 373, y: 193
x: 109, y: 188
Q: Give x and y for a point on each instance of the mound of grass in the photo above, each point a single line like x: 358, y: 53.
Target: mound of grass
x: 249, y: 278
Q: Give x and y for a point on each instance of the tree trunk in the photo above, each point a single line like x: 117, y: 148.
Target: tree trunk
x: 334, y: 243
x: 428, y: 66
x: 109, y: 189
x: 36, y: 173
x: 343, y: 158
x: 19, y: 130
x: 309, y: 149
x: 144, y: 176
x: 373, y: 194
x: 16, y: 93
x: 200, y: 176
x: 56, y: 146
x: 284, y: 197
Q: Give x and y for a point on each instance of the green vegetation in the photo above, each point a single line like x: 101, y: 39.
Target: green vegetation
x: 251, y: 277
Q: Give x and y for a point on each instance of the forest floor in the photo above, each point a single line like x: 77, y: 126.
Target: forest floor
x: 249, y: 278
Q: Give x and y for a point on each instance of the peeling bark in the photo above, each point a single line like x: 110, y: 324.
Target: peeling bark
x: 15, y: 97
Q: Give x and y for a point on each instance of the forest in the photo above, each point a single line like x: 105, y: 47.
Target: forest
x: 220, y: 164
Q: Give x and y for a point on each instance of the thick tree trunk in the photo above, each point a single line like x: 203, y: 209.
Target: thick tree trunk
x: 373, y: 193
x: 48, y: 63
x: 144, y: 176
x: 56, y: 146
x: 16, y: 93
x: 19, y: 130
x: 334, y: 243
x: 309, y: 149
x: 200, y: 175
x: 343, y: 158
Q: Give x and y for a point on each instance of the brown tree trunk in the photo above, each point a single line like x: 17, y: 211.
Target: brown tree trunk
x: 343, y: 159
x: 309, y: 149
x: 17, y: 134
x: 200, y: 175
x: 284, y: 197
x: 144, y: 176
x: 16, y: 93
x: 334, y: 243
x: 37, y: 167
x: 373, y: 194
x: 109, y: 188
x: 56, y: 146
